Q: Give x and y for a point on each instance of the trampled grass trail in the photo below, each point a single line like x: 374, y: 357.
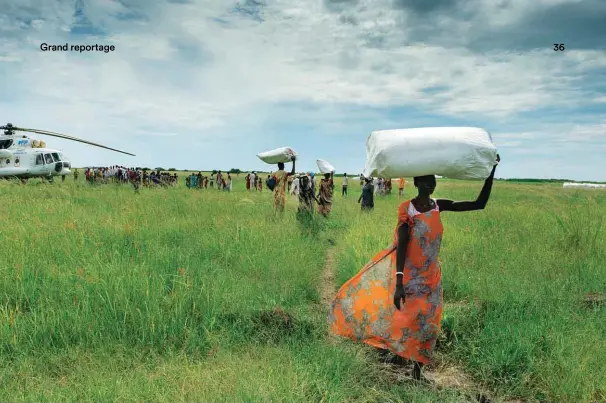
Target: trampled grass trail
x: 201, y: 295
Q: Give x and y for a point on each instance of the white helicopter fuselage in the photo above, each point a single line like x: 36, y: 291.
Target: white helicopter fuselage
x: 23, y: 157
x: 21, y: 160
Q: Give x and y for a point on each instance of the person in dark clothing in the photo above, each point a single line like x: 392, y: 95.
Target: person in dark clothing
x: 368, y: 195
x: 345, y: 183
x: 306, y: 201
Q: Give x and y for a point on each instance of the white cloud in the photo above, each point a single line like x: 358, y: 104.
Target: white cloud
x: 232, y: 74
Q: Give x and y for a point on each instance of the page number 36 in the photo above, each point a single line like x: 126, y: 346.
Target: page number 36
x: 558, y: 46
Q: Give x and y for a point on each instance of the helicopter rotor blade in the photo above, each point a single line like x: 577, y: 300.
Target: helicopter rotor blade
x: 64, y: 136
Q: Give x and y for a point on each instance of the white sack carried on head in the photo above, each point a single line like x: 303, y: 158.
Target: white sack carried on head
x: 325, y: 167
x: 282, y: 154
x: 452, y: 152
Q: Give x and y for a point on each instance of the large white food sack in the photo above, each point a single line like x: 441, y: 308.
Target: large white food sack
x: 282, y: 154
x: 453, y: 152
x: 325, y: 167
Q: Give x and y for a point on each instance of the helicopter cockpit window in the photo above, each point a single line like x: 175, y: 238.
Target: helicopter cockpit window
x: 39, y: 159
x: 5, y: 144
x: 56, y: 157
x: 48, y: 158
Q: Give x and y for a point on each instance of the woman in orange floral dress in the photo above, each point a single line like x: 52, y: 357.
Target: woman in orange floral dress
x: 395, y: 302
x: 281, y: 178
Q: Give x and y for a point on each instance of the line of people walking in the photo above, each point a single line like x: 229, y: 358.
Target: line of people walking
x: 254, y: 181
x: 120, y: 174
x: 199, y: 181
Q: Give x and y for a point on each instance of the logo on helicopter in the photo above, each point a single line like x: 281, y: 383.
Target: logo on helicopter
x: 22, y: 142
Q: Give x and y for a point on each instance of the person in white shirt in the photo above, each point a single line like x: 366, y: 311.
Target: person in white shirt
x: 253, y: 180
x: 345, y: 183
x: 294, y: 190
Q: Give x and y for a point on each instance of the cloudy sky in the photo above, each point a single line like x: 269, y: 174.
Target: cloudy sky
x: 207, y: 84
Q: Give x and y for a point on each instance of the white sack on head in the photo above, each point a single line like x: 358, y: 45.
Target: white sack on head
x: 452, y: 152
x: 325, y: 167
x: 282, y: 154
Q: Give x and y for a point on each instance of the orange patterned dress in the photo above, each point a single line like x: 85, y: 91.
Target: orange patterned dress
x: 281, y: 178
x: 363, y: 309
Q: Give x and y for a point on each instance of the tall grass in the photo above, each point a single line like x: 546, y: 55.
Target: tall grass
x: 179, y: 295
x: 515, y: 278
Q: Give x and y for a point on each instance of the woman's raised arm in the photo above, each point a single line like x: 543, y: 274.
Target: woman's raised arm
x: 477, y: 204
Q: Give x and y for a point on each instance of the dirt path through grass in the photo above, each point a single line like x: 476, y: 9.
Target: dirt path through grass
x: 327, y: 288
x: 328, y: 277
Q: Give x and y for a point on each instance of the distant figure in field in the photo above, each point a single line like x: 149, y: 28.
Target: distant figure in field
x: 295, y: 186
x: 260, y: 184
x: 325, y: 194
x: 401, y: 187
x: 206, y: 182
x: 212, y: 181
x: 227, y: 183
x: 368, y: 195
x: 281, y: 177
x: 188, y: 181
x: 134, y: 180
x: 219, y: 180
x: 253, y: 180
x: 306, y: 199
x: 76, y: 174
x: 362, y: 180
x: 407, y: 324
x: 345, y: 183
x: 247, y: 179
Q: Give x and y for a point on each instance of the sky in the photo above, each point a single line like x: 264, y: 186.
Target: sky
x: 208, y: 84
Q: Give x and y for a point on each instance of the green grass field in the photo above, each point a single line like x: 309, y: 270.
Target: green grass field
x: 199, y: 295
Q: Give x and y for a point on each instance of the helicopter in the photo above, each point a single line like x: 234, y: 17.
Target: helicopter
x: 23, y: 157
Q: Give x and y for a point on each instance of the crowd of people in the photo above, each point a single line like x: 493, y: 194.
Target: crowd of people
x: 254, y: 181
x: 302, y: 185
x: 199, y: 181
x: 120, y: 174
